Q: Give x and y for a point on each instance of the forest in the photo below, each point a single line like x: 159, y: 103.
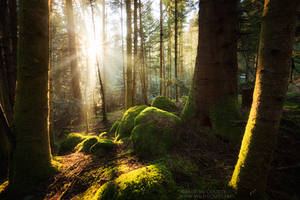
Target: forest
x: 149, y: 99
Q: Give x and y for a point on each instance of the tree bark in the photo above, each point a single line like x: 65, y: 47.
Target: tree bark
x: 142, y: 58
x: 123, y: 57
x: 129, y: 90
x: 214, y: 85
x: 135, y: 53
x: 102, y: 94
x: 278, y: 28
x: 31, y: 156
x: 161, y: 55
x: 176, y: 49
x: 75, y: 80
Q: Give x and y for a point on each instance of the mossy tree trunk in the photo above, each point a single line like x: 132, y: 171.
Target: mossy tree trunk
x: 31, y: 154
x: 215, y: 75
x: 276, y: 41
x: 129, y: 89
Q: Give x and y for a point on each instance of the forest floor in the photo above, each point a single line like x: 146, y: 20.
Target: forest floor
x: 201, y: 164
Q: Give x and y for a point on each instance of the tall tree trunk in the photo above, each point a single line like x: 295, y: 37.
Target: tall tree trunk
x: 170, y: 59
x: 102, y: 94
x: 176, y: 49
x: 104, y: 52
x: 31, y: 155
x: 4, y: 144
x: 129, y: 89
x: 278, y: 28
x: 8, y: 55
x: 75, y: 81
x: 181, y: 71
x: 142, y: 58
x: 123, y: 57
x: 161, y: 55
x: 135, y: 53
x: 214, y: 85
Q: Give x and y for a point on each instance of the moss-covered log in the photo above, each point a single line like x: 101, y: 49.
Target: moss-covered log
x: 278, y: 27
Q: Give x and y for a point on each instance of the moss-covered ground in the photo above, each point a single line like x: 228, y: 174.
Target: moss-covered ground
x: 198, y: 167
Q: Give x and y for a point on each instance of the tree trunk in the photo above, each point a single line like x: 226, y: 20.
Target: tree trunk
x: 176, y: 49
x: 142, y: 58
x: 278, y: 27
x: 214, y: 85
x: 161, y: 55
x: 170, y: 59
x: 31, y: 156
x: 181, y: 71
x: 102, y: 94
x: 123, y: 57
x: 8, y: 57
x: 129, y: 89
x: 75, y: 81
x: 104, y: 52
x: 135, y: 53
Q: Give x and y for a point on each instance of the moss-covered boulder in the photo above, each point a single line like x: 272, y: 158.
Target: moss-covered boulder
x: 155, y: 132
x: 86, y: 144
x: 102, y: 147
x: 114, y: 127
x: 164, y: 104
x: 67, y: 145
x: 153, y: 182
x: 127, y: 123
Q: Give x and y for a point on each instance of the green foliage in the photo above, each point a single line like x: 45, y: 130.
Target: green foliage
x: 115, y: 127
x: 127, y: 123
x: 68, y: 144
x: 86, y: 144
x: 155, y: 132
x: 147, y: 183
x: 164, y: 103
x: 102, y: 147
x: 226, y: 120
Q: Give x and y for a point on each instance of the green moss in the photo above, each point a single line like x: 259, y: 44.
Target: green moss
x: 226, y: 121
x: 147, y: 183
x: 164, y: 104
x: 127, y: 123
x: 115, y: 127
x: 155, y: 132
x: 188, y: 113
x: 68, y: 144
x: 102, y: 147
x: 183, y: 169
x: 86, y: 144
